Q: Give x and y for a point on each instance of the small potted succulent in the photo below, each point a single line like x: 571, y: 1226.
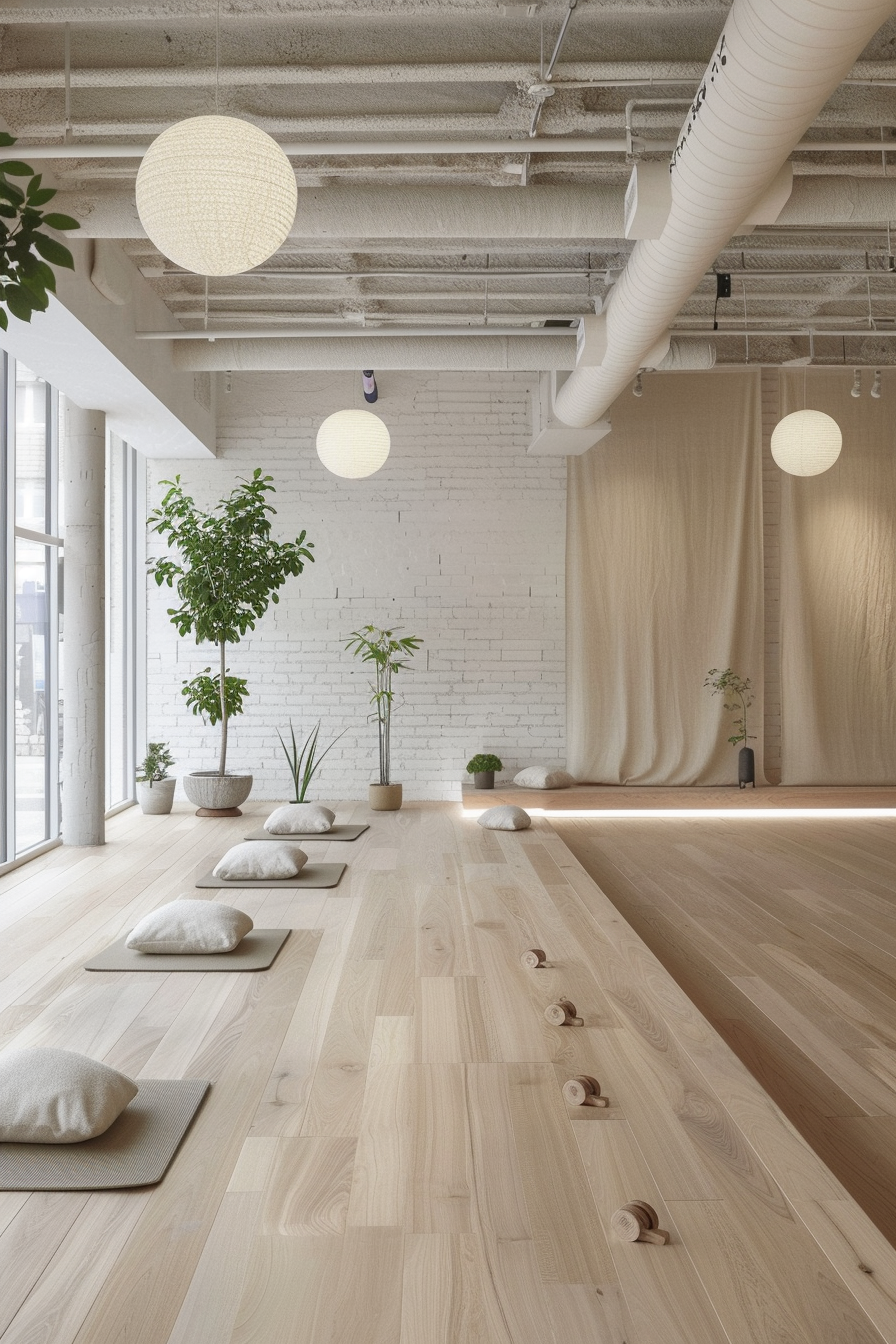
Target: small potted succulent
x: 482, y: 768
x: 155, y: 789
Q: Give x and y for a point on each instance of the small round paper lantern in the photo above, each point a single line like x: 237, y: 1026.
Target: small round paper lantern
x: 216, y: 195
x: 806, y: 443
x: 353, y: 444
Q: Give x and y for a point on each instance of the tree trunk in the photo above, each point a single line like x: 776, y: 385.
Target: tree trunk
x: 223, y: 760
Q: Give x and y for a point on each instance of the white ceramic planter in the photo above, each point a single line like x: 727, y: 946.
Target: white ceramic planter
x: 157, y: 798
x: 384, y: 797
x: 217, y: 795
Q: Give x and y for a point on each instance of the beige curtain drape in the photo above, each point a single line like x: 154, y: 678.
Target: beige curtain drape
x: 664, y: 581
x: 838, y: 565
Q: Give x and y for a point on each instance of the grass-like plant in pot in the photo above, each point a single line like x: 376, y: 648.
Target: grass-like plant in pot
x: 155, y: 788
x: 304, y: 762
x: 482, y: 768
x: 227, y: 571
x: 389, y: 655
x: 738, y: 693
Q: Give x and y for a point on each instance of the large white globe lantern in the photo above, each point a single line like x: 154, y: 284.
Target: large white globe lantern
x: 806, y: 443
x: 353, y: 444
x: 216, y: 195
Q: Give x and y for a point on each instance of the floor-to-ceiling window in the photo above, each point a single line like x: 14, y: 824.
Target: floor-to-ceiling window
x: 125, y: 511
x: 32, y: 631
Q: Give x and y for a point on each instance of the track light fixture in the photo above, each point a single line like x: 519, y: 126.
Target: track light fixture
x: 875, y: 386
x: 856, y: 389
x: 638, y: 390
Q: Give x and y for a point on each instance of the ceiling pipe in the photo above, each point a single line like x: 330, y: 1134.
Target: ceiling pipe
x: 776, y: 64
x: 273, y: 332
x: 573, y: 214
x: 305, y: 149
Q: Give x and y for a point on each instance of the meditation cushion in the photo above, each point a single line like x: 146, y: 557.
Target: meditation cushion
x: 506, y: 818
x: 57, y: 1096
x: 540, y: 777
x: 186, y: 926
x: 295, y: 818
x: 253, y: 862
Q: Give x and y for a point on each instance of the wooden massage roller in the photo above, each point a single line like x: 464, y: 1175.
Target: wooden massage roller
x: 637, y: 1221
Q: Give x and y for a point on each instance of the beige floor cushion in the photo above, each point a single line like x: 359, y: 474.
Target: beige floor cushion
x: 253, y: 862
x: 295, y: 818
x: 505, y: 818
x: 540, y: 777
x: 57, y: 1096
x: 187, y: 926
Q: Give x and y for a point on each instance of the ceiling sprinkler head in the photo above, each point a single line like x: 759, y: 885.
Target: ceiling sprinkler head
x: 638, y: 390
x: 856, y: 389
x: 875, y: 386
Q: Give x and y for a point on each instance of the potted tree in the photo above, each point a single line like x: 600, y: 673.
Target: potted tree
x: 227, y: 571
x: 738, y: 694
x: 482, y: 768
x: 388, y: 655
x: 155, y: 789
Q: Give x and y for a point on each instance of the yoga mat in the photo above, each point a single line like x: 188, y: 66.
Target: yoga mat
x: 313, y: 875
x: 255, y: 952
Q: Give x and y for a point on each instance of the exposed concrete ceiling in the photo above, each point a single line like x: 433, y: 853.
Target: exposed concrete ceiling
x: 349, y: 70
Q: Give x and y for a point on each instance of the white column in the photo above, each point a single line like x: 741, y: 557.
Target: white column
x: 84, y: 641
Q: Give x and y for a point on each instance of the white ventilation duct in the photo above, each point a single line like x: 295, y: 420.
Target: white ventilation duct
x: 586, y: 214
x: 776, y: 64
x: 486, y: 353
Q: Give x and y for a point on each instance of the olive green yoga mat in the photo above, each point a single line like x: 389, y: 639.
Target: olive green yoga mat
x: 255, y: 952
x: 136, y: 1149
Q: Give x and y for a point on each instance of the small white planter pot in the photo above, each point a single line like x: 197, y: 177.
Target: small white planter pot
x: 217, y: 795
x: 157, y: 798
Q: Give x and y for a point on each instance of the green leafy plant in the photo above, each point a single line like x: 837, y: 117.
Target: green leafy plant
x: 304, y: 764
x: 739, y: 697
x: 482, y: 763
x: 227, y: 571
x: 388, y: 655
x: 25, y: 278
x: 156, y: 763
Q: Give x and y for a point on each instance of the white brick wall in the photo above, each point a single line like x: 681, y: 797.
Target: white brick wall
x: 460, y: 538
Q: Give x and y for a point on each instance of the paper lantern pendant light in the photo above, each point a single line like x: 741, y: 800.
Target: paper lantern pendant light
x: 216, y: 195
x: 353, y: 444
x: 806, y: 443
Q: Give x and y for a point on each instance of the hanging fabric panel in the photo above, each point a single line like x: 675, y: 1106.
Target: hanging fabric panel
x: 664, y: 582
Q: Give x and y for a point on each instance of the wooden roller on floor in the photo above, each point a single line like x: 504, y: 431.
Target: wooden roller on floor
x: 534, y: 957
x: 638, y: 1221
x: 583, y: 1091
x: 562, y: 1014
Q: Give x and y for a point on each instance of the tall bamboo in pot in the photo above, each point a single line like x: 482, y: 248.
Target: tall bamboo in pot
x: 388, y: 655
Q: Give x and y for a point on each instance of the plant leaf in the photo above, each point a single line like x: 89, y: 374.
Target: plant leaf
x: 53, y: 251
x: 57, y: 221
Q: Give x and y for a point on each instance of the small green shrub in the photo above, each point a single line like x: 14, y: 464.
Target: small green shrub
x: 155, y: 764
x: 482, y: 763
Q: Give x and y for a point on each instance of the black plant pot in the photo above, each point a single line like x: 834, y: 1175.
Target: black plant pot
x: 484, y: 779
x: 746, y: 767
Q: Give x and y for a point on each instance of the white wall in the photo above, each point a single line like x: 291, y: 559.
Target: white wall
x: 460, y: 538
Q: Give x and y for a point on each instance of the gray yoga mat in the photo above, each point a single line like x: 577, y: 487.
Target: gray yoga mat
x: 255, y: 952
x: 136, y: 1150
x: 334, y: 833
x: 313, y: 875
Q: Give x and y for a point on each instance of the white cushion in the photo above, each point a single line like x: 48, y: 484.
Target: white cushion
x: 188, y: 926
x: 56, y: 1096
x: 252, y: 861
x: 295, y: 818
x: 540, y: 777
x: 506, y: 818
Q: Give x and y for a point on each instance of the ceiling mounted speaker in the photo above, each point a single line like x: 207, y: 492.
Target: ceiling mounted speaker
x: 353, y: 444
x: 216, y: 195
x: 806, y: 443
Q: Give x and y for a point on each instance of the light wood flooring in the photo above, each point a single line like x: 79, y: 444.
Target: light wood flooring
x: 783, y: 933
x: 385, y: 1156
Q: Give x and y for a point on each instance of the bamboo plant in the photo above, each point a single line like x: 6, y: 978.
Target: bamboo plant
x: 389, y: 655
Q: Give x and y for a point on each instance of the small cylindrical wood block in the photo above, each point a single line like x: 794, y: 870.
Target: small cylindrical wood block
x: 583, y: 1091
x: 533, y: 957
x: 562, y: 1014
x: 637, y: 1221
